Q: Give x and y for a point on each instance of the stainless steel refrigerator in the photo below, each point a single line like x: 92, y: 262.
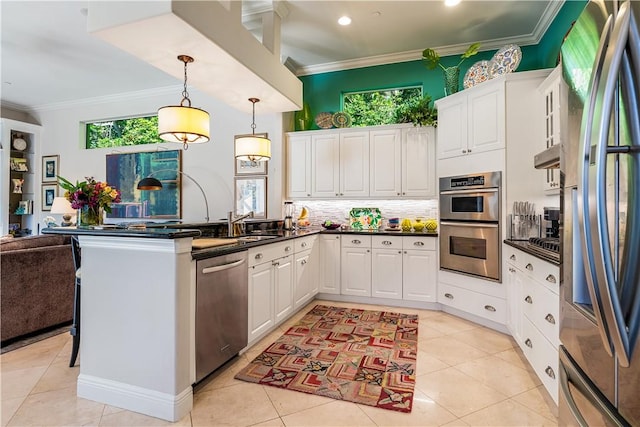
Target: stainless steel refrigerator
x: 600, y: 177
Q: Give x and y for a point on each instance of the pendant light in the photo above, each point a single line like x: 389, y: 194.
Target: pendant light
x: 253, y: 148
x: 183, y: 123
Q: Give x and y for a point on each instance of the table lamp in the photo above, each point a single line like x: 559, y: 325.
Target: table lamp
x: 62, y: 206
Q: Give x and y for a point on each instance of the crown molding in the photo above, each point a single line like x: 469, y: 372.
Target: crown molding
x: 533, y: 38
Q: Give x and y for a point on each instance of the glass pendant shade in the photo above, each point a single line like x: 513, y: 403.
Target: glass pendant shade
x: 253, y: 148
x: 177, y: 123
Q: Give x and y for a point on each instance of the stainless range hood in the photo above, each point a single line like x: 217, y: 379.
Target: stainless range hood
x: 549, y: 158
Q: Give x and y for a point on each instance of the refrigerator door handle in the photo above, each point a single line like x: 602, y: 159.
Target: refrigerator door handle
x: 605, y: 262
x: 582, y: 205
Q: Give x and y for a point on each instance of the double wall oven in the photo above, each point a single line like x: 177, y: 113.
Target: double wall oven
x: 470, y: 224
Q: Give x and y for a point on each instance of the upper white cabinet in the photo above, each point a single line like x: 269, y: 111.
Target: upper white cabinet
x: 555, y: 111
x: 472, y: 121
x: 299, y: 166
x: 381, y: 161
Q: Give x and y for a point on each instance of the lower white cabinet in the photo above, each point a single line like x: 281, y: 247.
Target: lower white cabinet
x: 305, y: 282
x: 479, y: 304
x: 419, y: 269
x: 534, y: 313
x: 282, y: 270
x: 329, y: 263
x: 261, y: 309
x: 355, y: 271
x: 386, y: 267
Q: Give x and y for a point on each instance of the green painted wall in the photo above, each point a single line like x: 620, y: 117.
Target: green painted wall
x: 323, y: 91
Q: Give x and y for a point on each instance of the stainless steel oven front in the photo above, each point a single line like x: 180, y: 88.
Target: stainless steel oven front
x: 470, y: 224
x: 471, y: 248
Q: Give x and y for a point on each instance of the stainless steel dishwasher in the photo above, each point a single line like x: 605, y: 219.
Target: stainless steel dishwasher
x: 222, y: 284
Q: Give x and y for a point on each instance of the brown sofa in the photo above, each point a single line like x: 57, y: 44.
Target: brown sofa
x: 37, y: 280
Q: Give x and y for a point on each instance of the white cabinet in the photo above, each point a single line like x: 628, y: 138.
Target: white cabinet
x: 355, y: 271
x: 299, y: 166
x: 329, y: 263
x: 381, y: 161
x: 419, y: 268
x: 270, y: 287
x: 19, y: 188
x: 555, y: 111
x: 386, y: 267
x: 340, y: 164
x: 472, y: 121
x: 305, y: 276
x: 385, y: 162
x: 536, y: 304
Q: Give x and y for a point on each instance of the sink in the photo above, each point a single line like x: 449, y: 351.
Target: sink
x: 256, y: 238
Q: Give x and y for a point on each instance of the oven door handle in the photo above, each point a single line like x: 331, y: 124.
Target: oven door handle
x: 470, y: 224
x: 470, y: 191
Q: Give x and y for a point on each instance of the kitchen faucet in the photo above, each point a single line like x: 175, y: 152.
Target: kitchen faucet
x: 231, y: 222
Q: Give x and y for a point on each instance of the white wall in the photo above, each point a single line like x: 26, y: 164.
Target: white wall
x: 211, y: 164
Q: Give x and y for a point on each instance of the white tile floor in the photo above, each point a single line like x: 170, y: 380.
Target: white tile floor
x: 466, y: 375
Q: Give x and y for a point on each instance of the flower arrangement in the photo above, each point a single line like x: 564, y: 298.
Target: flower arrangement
x: 89, y: 193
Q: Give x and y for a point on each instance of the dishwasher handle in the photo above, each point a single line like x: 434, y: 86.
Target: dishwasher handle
x: 222, y: 267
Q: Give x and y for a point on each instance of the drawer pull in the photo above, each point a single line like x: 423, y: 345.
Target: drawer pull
x: 287, y: 249
x: 528, y: 343
x: 528, y: 299
x: 512, y: 270
x: 258, y: 256
x: 386, y: 242
x: 418, y: 243
x: 551, y: 278
x: 549, y: 318
x: 549, y: 371
x: 303, y: 244
x: 448, y: 295
x: 303, y: 262
x: 275, y: 264
x: 529, y: 267
x: 356, y: 241
x: 512, y: 257
x: 490, y: 308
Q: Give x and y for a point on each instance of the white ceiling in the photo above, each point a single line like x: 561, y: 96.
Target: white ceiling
x: 49, y: 59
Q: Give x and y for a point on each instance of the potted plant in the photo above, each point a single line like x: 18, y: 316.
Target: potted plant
x: 431, y: 60
x: 418, y: 111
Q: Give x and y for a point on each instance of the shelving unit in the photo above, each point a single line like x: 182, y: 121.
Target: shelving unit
x: 20, y: 178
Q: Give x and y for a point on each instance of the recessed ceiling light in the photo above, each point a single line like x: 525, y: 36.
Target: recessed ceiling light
x: 344, y: 20
x: 451, y: 3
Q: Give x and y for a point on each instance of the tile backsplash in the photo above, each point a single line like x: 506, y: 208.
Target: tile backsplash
x: 338, y: 210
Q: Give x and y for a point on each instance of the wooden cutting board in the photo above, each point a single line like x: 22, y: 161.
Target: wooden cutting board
x: 210, y: 242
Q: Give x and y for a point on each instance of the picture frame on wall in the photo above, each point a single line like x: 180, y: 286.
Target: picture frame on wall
x: 49, y: 192
x: 251, y: 195
x: 50, y: 168
x: 246, y: 167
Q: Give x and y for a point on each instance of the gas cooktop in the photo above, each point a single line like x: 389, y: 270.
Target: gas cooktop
x: 546, y: 246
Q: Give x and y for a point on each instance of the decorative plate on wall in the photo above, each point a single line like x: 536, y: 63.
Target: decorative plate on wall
x: 505, y: 60
x: 476, y: 74
x: 341, y: 120
x: 324, y: 120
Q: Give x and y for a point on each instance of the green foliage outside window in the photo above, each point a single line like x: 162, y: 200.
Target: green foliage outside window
x: 380, y: 107
x: 119, y: 133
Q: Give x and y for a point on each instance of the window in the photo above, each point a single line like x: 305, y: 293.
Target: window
x: 118, y: 133
x: 378, y: 107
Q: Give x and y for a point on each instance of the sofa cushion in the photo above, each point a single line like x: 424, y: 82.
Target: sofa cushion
x: 33, y: 242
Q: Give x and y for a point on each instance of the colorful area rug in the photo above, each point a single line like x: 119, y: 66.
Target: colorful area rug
x: 362, y: 356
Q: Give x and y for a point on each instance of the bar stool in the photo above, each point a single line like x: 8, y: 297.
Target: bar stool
x: 75, y: 327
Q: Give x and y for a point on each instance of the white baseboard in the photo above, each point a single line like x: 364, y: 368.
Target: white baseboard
x: 137, y: 399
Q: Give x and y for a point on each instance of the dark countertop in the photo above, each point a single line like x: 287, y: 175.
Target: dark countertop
x: 381, y: 233
x: 522, y: 245
x: 152, y: 233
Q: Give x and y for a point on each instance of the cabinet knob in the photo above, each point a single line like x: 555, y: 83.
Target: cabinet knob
x: 550, y: 373
x: 368, y: 251
x: 287, y: 249
x: 303, y: 262
x: 341, y: 194
x: 258, y: 256
x: 551, y: 278
x: 464, y: 151
x: 490, y: 308
x: 337, y: 237
x: 549, y: 318
x: 403, y: 193
x: 448, y: 295
x: 529, y: 299
x: 398, y: 194
x: 529, y: 267
x: 386, y: 242
x: 275, y: 264
x: 512, y: 257
x: 528, y: 343
x: 400, y: 252
x: 303, y: 244
x: 469, y: 150
x: 337, y: 194
x: 308, y: 195
x: 512, y: 270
